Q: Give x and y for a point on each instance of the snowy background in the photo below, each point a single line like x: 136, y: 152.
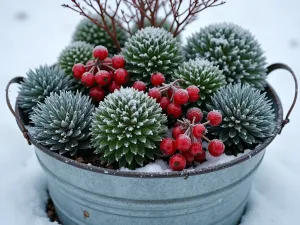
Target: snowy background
x: 33, y: 32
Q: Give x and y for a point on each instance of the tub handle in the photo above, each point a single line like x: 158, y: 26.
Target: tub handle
x: 270, y: 68
x: 276, y: 66
x: 17, y: 80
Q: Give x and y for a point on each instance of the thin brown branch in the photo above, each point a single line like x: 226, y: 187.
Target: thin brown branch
x: 138, y: 11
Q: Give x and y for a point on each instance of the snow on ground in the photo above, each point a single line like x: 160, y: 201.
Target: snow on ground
x: 33, y: 32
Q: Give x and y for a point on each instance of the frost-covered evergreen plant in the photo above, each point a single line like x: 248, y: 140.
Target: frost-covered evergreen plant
x: 127, y: 128
x: 248, y: 116
x: 39, y: 84
x: 166, y: 25
x: 152, y: 50
x: 233, y: 49
x: 203, y: 74
x: 76, y: 52
x: 63, y: 121
x: 89, y: 32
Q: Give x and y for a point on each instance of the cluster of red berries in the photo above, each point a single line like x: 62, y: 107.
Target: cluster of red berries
x: 186, y: 145
x: 102, y: 74
x: 170, y: 96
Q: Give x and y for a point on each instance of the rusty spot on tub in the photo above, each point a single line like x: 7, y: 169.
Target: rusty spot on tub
x: 86, y: 214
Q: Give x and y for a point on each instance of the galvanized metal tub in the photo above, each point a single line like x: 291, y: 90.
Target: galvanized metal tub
x: 84, y: 194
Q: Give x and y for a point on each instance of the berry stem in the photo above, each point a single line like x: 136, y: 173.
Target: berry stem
x: 207, y: 122
x: 108, y: 65
x: 193, y: 121
x: 205, y: 138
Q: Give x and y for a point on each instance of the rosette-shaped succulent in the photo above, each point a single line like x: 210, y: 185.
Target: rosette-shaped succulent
x: 152, y: 50
x: 63, y: 121
x: 166, y: 24
x: 40, y: 83
x: 127, y: 128
x: 248, y: 116
x: 90, y: 33
x: 203, y: 74
x: 233, y: 49
x: 76, y: 52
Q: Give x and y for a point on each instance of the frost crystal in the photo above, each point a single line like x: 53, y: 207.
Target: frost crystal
x: 248, y: 116
x: 233, y: 49
x: 152, y: 50
x: 39, y: 84
x: 135, y: 128
x: 77, y: 52
x: 62, y: 122
x: 203, y: 74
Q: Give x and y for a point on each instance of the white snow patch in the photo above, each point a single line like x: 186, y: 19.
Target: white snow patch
x: 275, y: 196
x: 160, y: 166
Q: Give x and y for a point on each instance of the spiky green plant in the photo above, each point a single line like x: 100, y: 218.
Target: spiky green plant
x: 76, y: 52
x: 90, y: 33
x: 234, y: 49
x: 152, y: 50
x: 127, y: 128
x: 63, y: 121
x: 40, y: 83
x: 166, y: 25
x: 203, y: 74
x: 248, y: 116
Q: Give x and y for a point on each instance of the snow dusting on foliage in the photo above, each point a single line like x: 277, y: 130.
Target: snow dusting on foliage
x: 127, y: 127
x: 275, y: 196
x: 234, y: 49
x: 204, y: 75
x: 152, y: 50
x: 76, y: 52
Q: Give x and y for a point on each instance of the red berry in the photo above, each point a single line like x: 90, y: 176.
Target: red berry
x: 106, y: 62
x: 118, y: 61
x: 200, y: 157
x: 170, y: 92
x: 97, y: 93
x: 196, y: 148
x: 103, y: 78
x: 164, y: 102
x: 188, y: 157
x: 181, y: 97
x: 139, y: 85
x: 215, y: 118
x: 198, y: 130
x: 113, y: 86
x: 78, y: 69
x: 216, y: 147
x: 89, y: 65
x: 88, y: 79
x: 177, y: 131
x: 183, y: 142
x: 194, y: 112
x: 194, y: 93
x: 174, y: 110
x: 177, y: 162
x: 155, y: 93
x: 100, y: 52
x: 167, y: 146
x: 121, y: 76
x: 157, y: 79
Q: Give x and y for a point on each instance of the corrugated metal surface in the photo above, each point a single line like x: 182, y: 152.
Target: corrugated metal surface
x: 82, y: 196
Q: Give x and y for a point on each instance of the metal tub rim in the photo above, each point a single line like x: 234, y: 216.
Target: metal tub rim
x: 185, y: 173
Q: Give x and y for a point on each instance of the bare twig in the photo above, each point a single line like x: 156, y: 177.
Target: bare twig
x: 138, y: 11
